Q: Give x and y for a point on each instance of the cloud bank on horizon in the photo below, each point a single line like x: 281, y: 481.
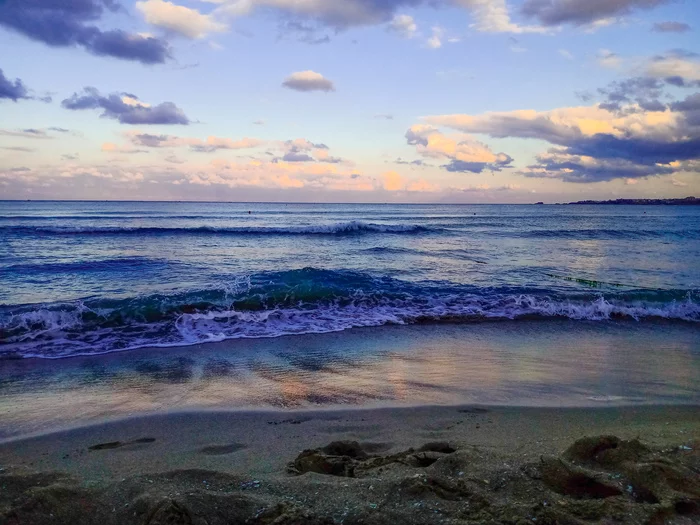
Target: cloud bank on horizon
x: 349, y: 100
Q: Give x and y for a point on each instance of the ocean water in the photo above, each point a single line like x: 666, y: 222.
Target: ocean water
x: 88, y: 278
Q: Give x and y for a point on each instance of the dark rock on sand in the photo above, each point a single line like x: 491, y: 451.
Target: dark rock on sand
x: 605, y: 451
x: 601, y: 481
x: 571, y: 481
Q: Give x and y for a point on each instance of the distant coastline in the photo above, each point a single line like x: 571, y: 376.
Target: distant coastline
x: 646, y: 202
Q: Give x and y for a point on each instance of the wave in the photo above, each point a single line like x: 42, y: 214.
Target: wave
x: 101, y: 265
x: 306, y: 301
x: 606, y: 234
x: 341, y: 228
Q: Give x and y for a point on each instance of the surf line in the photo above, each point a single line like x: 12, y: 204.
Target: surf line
x: 597, y: 284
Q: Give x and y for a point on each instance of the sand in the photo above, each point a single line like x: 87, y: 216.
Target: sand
x: 456, y: 465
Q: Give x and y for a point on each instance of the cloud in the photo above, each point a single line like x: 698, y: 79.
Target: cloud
x: 12, y: 90
x: 303, y: 150
x: 566, y: 54
x: 306, y: 33
x: 417, y: 162
x: 607, y: 58
x: 174, y: 160
x: 678, y: 183
x: 404, y: 25
x: 515, y: 47
x: 126, y: 108
x: 392, y: 181
x: 308, y: 81
x: 208, y: 145
x: 464, y: 154
x: 671, y: 27
x: 69, y: 23
x: 678, y: 67
x: 594, y: 143
x: 178, y: 19
x: 29, y: 133
x: 294, y: 156
x: 435, y: 41
x: 109, y: 147
x: 19, y: 149
x: 384, y: 116
x: 490, y: 15
x: 633, y: 94
x: 581, y: 13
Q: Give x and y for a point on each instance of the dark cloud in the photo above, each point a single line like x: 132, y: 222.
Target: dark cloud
x: 577, y: 12
x: 21, y: 149
x: 293, y: 156
x: 152, y: 141
x: 113, y: 106
x: 417, y: 162
x: 174, y: 160
x: 66, y: 23
x: 59, y: 130
x: 12, y: 89
x: 644, y: 91
x: 21, y: 169
x: 385, y: 116
x: 67, y: 156
x: 204, y: 148
x: 671, y: 27
x: 29, y: 133
x: 303, y: 32
x: 637, y: 145
x: 461, y: 166
x: 572, y: 168
x: 502, y: 161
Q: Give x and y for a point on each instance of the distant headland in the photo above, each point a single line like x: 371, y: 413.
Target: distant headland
x: 646, y: 202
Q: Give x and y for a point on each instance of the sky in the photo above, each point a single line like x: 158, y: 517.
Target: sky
x: 454, y: 101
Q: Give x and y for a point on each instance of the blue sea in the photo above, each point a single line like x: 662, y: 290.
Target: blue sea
x: 88, y: 278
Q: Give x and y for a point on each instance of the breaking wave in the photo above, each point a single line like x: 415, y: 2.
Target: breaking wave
x: 306, y: 301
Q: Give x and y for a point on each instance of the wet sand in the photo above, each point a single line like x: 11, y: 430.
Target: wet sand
x: 544, y: 363
x: 459, y: 464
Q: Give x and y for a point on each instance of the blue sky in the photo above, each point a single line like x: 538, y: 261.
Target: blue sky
x: 354, y: 100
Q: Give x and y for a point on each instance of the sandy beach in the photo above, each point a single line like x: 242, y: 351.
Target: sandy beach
x: 457, y: 464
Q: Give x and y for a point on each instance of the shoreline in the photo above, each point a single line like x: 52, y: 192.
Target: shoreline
x: 461, y: 464
x: 520, y: 364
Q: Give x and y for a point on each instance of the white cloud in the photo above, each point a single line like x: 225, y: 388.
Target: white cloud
x: 678, y: 183
x: 178, y: 19
x: 435, y: 41
x: 308, y: 81
x: 566, y: 54
x: 492, y: 16
x: 681, y: 65
x: 404, y: 25
x: 608, y: 59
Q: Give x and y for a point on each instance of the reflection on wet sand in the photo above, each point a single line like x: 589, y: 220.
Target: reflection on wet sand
x: 547, y: 363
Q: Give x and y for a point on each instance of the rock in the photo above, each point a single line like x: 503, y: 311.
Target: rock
x: 606, y: 451
x: 314, y: 461
x: 350, y: 449
x: 572, y: 481
x: 437, y: 446
x: 169, y: 512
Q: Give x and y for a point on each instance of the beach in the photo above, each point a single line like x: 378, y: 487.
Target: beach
x: 190, y: 363
x: 448, y: 464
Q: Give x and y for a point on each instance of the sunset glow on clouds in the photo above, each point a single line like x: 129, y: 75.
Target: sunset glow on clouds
x: 349, y: 100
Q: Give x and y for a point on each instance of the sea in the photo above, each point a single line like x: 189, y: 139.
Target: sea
x: 84, y: 278
x: 87, y: 279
